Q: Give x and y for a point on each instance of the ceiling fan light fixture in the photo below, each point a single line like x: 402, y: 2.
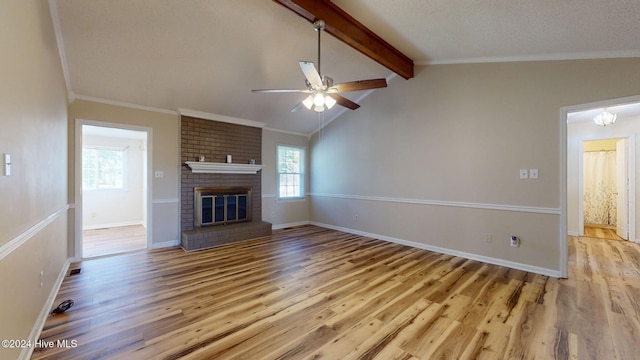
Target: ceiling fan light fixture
x: 308, y: 102
x: 605, y: 118
x: 329, y: 101
x: 318, y: 99
x: 323, y: 94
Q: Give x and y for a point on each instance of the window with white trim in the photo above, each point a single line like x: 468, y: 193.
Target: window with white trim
x: 290, y: 172
x: 103, y: 168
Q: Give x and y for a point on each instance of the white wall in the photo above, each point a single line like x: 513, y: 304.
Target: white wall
x: 434, y: 161
x: 576, y: 134
x: 281, y: 213
x: 117, y: 207
x: 33, y: 199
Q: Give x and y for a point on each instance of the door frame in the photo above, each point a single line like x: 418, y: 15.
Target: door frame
x: 563, y: 235
x: 78, y: 254
x: 631, y: 168
x: 626, y: 189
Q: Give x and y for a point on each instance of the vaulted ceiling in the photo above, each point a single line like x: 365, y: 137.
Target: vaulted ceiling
x: 207, y: 55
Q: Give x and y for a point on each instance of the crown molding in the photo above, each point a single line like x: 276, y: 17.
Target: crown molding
x: 523, y: 58
x: 285, y: 131
x: 55, y: 20
x: 123, y: 104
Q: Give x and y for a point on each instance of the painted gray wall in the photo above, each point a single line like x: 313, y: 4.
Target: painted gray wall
x: 33, y: 130
x: 289, y: 212
x: 434, y: 161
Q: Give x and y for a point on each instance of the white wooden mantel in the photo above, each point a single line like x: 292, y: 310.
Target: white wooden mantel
x: 222, y: 168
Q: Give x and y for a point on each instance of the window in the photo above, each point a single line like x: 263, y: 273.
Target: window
x: 290, y: 171
x: 103, y: 168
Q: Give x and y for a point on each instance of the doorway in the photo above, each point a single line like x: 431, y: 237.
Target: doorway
x: 112, y: 188
x: 605, y: 195
x: 576, y: 126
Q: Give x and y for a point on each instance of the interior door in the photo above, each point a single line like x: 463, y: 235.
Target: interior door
x: 622, y: 189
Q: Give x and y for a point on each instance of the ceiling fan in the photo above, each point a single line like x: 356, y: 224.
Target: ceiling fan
x: 323, y: 93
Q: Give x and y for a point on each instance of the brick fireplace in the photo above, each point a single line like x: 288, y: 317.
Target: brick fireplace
x: 214, y: 140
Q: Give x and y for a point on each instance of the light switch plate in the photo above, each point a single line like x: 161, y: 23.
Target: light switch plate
x: 7, y: 164
x: 159, y: 174
x: 533, y: 173
x: 524, y: 174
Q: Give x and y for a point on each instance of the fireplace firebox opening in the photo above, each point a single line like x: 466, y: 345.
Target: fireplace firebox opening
x: 221, y: 205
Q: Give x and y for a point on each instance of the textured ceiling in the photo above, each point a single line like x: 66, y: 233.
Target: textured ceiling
x: 207, y: 55
x: 455, y: 31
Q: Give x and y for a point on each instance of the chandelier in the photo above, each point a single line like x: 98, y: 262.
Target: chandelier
x: 605, y: 118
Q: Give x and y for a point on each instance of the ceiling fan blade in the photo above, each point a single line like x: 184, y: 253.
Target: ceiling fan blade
x: 359, y: 85
x: 343, y: 101
x: 281, y: 90
x: 312, y: 75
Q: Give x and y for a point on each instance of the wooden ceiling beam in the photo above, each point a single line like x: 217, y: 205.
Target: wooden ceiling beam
x: 350, y: 31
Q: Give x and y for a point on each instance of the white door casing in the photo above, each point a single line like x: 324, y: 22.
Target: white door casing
x: 622, y: 190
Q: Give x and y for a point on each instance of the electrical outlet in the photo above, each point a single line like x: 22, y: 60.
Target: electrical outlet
x: 533, y: 173
x: 514, y: 241
x: 488, y: 238
x: 357, y: 217
x: 41, y: 278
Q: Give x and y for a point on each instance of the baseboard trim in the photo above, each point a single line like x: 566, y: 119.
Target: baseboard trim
x: 575, y: 233
x: 165, y: 244
x: 283, y: 226
x: 166, y: 201
x: 45, y: 311
x: 470, y: 256
x: 112, y: 225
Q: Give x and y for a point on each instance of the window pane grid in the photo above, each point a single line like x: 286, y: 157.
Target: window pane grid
x: 290, y: 174
x: 102, y: 169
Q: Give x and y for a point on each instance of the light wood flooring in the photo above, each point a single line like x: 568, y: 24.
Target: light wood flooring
x: 98, y: 242
x: 601, y: 233
x: 314, y: 293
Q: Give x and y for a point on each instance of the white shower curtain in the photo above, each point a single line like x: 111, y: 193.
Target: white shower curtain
x: 600, y: 187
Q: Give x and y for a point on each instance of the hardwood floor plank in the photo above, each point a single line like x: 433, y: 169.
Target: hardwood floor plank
x: 309, y: 292
x: 107, y: 241
x: 372, y: 346
x: 594, y: 339
x: 627, y: 333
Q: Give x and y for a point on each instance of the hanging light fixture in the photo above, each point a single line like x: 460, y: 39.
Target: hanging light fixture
x: 605, y: 118
x: 318, y: 101
x: 323, y: 94
x: 308, y: 102
x: 329, y: 101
